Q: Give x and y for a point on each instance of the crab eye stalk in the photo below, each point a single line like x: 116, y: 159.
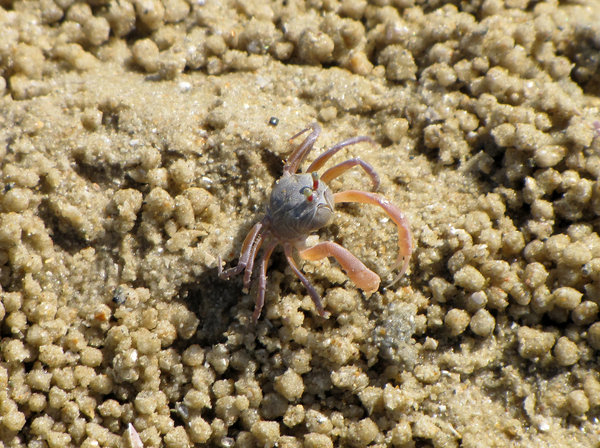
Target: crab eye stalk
x: 308, y: 193
x: 315, y: 178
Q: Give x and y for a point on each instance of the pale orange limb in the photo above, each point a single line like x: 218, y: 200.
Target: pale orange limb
x: 362, y: 276
x: 405, y: 245
x: 344, y: 166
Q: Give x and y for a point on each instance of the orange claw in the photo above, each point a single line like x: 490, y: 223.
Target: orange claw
x: 405, y: 246
x: 362, y: 276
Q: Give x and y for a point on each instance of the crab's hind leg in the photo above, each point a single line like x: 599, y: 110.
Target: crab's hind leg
x: 299, y: 154
x: 362, y: 276
x: 312, y: 292
x: 247, y: 252
x: 405, y: 245
x: 248, y: 271
x: 262, y: 281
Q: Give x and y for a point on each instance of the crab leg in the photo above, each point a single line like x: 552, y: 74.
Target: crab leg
x: 314, y: 295
x: 404, y: 235
x: 245, y: 254
x: 341, y: 168
x: 262, y: 281
x: 299, y: 154
x: 325, y: 156
x: 250, y: 265
x: 362, y: 276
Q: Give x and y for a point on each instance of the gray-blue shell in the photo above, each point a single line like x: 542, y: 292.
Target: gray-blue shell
x: 290, y: 215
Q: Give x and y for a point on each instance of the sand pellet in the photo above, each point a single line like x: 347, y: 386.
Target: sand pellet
x: 315, y: 440
x: 266, y: 432
x: 290, y: 385
x: 534, y: 343
x: 566, y: 352
x: 482, y: 323
x: 456, y: 320
x: 469, y: 278
x: 577, y: 402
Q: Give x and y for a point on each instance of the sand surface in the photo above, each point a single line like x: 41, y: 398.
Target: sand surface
x: 139, y: 141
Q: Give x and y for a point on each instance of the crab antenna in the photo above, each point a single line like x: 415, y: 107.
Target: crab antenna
x: 308, y: 193
x: 315, y: 178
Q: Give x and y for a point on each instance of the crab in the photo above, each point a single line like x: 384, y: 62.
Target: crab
x: 302, y: 203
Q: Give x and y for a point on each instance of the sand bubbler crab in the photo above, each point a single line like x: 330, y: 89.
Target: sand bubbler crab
x: 302, y: 203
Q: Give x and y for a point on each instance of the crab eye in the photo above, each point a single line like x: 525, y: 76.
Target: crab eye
x: 315, y: 178
x: 308, y: 193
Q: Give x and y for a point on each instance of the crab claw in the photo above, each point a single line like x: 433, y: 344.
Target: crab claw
x: 405, y: 244
x: 362, y: 276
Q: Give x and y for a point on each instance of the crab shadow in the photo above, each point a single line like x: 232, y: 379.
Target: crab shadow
x: 213, y: 301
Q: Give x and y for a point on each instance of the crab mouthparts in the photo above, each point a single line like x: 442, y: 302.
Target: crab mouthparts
x: 325, y: 205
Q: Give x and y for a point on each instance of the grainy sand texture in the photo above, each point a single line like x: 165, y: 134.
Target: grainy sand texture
x: 137, y: 146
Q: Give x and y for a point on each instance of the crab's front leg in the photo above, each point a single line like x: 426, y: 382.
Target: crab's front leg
x: 362, y: 276
x: 405, y: 244
x: 340, y: 168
